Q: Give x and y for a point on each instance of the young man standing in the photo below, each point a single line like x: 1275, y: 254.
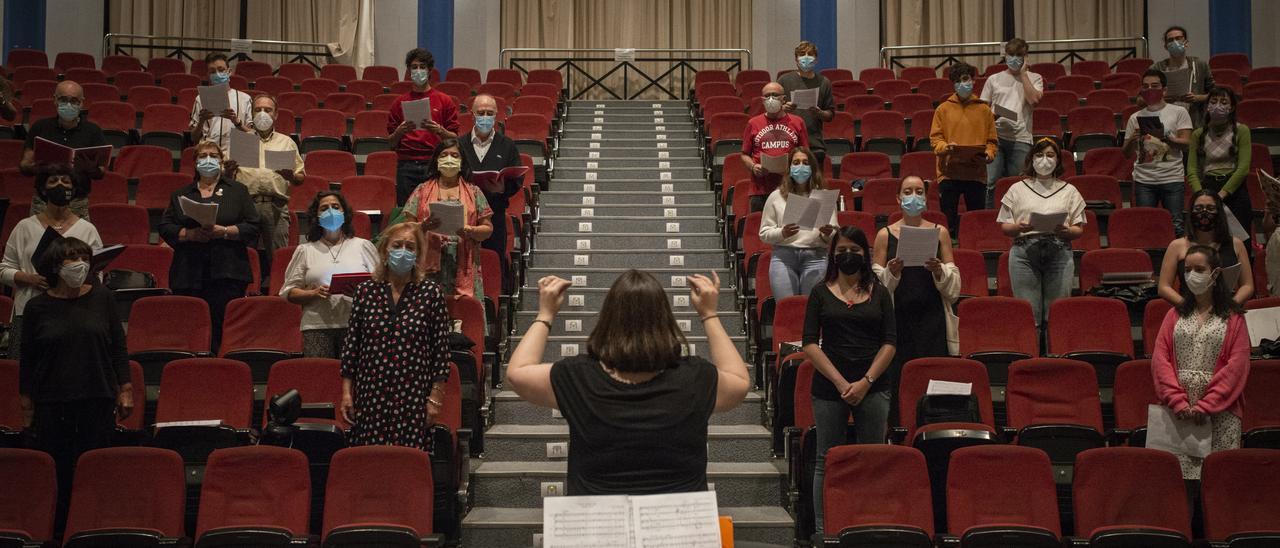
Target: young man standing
x: 415, y: 143
x: 962, y: 124
x: 1015, y: 90
x: 1156, y: 137
x: 1199, y: 75
x: 804, y: 78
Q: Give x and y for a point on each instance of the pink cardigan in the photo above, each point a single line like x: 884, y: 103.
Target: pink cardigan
x: 1229, y: 373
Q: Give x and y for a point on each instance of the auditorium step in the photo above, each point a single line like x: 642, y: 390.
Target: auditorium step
x: 689, y: 258
x: 608, y: 198
x: 511, y: 409
x: 644, y: 184
x: 593, y: 297
x: 519, y: 484
x: 516, y: 527
x: 522, y: 442
x: 582, y: 322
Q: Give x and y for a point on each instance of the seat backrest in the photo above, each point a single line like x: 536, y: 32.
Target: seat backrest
x: 165, y: 118
x: 469, y: 76
x: 1097, y: 262
x: 915, y: 378
x: 155, y: 188
x: 1140, y: 228
x: 1134, y: 390
x: 1240, y: 491
x: 873, y: 75
x: 1092, y: 68
x: 256, y: 486
x: 1017, y: 331
x: 154, y: 259
x: 1262, y: 395
x: 865, y: 165
x: 11, y: 416
x: 31, y: 491
x: 876, y: 485
x: 370, y: 192
x: 121, y: 223
x: 553, y: 77
x: 108, y: 494
x: 979, y: 231
x: 319, y: 86
x: 67, y: 60
x: 261, y: 323
x: 114, y: 115
x: 323, y: 122
x: 1025, y: 494
x: 1078, y: 324
x: 317, y: 380
x: 274, y: 85
x: 333, y: 165
x: 205, y: 389
x: 169, y: 322
x: 1053, y: 391
x: 381, y: 73
x: 349, y: 104
x: 135, y: 160
x: 379, y: 484
x: 788, y: 320
x: 381, y: 163
x: 338, y: 72
x: 1129, y: 486
x: 297, y: 72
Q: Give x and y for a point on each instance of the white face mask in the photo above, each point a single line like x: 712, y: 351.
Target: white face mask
x: 1199, y: 282
x: 74, y: 274
x: 772, y: 105
x: 1044, y: 165
x: 262, y: 121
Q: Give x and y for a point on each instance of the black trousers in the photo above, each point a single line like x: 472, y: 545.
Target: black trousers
x: 409, y: 174
x: 497, y: 241
x: 217, y: 293
x: 66, y: 430
x: 975, y: 198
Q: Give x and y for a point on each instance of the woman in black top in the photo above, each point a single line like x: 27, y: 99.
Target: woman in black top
x: 74, y: 374
x: 849, y: 335
x: 637, y: 410
x: 210, y: 262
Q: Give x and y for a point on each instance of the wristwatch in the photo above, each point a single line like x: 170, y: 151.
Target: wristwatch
x: 870, y: 379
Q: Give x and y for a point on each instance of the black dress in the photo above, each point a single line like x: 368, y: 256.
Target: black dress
x: 922, y: 321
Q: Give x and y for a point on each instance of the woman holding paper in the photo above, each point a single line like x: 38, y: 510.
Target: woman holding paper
x: 922, y: 293
x: 1042, y: 214
x: 1209, y: 227
x: 332, y: 248
x: 395, y: 359
x: 209, y: 256
x: 452, y: 260
x: 1201, y: 358
x: 799, y: 255
x: 850, y: 333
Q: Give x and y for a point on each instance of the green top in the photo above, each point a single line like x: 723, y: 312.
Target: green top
x: 1244, y: 158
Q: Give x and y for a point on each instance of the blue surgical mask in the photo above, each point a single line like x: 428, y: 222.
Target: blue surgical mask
x: 331, y: 219
x: 401, y: 261
x: 219, y: 78
x: 806, y: 62
x: 964, y: 89
x: 1177, y: 48
x: 913, y: 204
x: 68, y: 111
x: 1014, y: 61
x: 485, y: 123
x: 208, y: 167
x: 419, y: 76
x: 800, y: 173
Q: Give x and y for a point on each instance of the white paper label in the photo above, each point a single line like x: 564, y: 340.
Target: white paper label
x: 664, y: 175
x: 577, y: 300
x: 593, y: 165
x: 599, y: 105
x: 668, y: 187
x: 597, y: 128
x: 596, y: 136
x: 673, y: 243
x: 584, y: 245
x: 599, y: 112
x: 668, y: 200
x: 676, y: 260
x: 664, y: 154
x: 657, y: 105
x: 662, y: 145
x: 593, y: 155
x: 571, y: 326
x: 658, y: 120
x: 598, y: 120
x: 588, y: 212
x: 660, y: 137
x: 593, y: 145
x: 581, y: 260
x: 584, y: 227
x: 685, y: 325
x: 589, y: 187
x: 673, y: 227
x: 660, y: 128
x: 588, y: 200
x: 590, y: 175
x: 579, y: 281
x: 670, y: 212
x: 677, y: 281
x: 657, y: 113
x: 568, y: 350
x: 664, y: 165
x: 691, y: 349
x: 680, y: 300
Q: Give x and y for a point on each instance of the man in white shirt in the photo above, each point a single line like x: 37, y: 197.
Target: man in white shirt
x: 1157, y: 150
x: 1018, y: 90
x: 209, y: 126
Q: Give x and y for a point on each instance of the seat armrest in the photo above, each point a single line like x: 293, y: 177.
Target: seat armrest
x: 1118, y: 437
x: 897, y: 435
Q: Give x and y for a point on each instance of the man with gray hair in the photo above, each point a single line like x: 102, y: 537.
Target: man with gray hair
x: 66, y: 129
x: 488, y: 150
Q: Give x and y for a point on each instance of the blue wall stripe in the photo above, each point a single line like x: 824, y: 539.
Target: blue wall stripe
x: 435, y: 31
x: 818, y: 25
x: 23, y: 26
x: 1230, y: 27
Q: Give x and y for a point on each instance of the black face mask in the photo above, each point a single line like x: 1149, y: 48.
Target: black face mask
x: 1204, y: 220
x: 59, y: 195
x: 850, y: 263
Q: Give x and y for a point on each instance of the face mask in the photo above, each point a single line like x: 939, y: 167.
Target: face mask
x: 1044, y: 165
x: 68, y: 111
x: 331, y: 219
x: 74, y: 274
x: 1176, y: 48
x: 806, y: 62
x: 219, y: 78
x: 800, y: 173
x: 964, y: 89
x: 913, y: 204
x: 1218, y: 111
x: 449, y: 165
x: 1014, y: 61
x: 1205, y: 221
x: 59, y: 195
x: 1152, y: 97
x: 401, y: 260
x: 484, y: 123
x: 262, y: 121
x: 1198, y: 282
x: 208, y: 167
x: 419, y: 76
x: 773, y: 105
x: 849, y: 263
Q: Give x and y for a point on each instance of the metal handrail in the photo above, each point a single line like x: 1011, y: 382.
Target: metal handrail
x: 318, y: 48
x: 503, y: 53
x: 885, y: 50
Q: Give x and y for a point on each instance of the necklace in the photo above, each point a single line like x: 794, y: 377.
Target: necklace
x: 335, y: 254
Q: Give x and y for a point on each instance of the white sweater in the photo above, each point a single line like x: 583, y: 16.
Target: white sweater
x: 771, y: 226
x: 313, y: 264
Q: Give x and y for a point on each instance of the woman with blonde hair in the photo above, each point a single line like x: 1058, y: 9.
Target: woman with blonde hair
x: 799, y: 256
x: 396, y: 354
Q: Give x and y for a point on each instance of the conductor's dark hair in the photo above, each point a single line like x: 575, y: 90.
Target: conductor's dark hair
x: 636, y: 331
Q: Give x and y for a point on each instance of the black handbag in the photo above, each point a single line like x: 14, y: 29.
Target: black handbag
x: 947, y: 408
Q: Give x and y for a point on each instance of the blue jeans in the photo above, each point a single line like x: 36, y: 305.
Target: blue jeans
x: 1011, y: 158
x: 795, y: 270
x: 409, y: 174
x: 1170, y: 194
x: 870, y: 424
x: 1041, y: 284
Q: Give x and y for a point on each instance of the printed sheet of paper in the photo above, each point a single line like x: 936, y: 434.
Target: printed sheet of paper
x: 1271, y: 188
x: 451, y: 215
x: 205, y: 214
x: 1237, y: 229
x: 245, y: 148
x: 829, y: 200
x: 214, y: 98
x: 917, y: 245
x: 1263, y: 323
x: 1047, y: 222
x: 417, y: 111
x: 571, y: 522
x: 801, y: 210
x: 686, y: 520
x: 1231, y: 276
x: 804, y: 99
x: 1003, y: 112
x: 774, y: 164
x: 1167, y: 432
x: 948, y: 388
x: 1179, y: 83
x: 279, y: 159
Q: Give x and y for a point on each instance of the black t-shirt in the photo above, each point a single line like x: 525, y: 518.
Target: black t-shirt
x: 850, y: 335
x: 72, y: 349
x: 635, y: 439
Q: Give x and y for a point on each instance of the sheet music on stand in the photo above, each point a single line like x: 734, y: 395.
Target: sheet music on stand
x: 651, y: 521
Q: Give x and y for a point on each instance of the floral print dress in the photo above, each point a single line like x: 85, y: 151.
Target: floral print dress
x: 393, y: 352
x: 1198, y: 345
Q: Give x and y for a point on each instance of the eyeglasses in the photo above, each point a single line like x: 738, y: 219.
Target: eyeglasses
x: 1208, y: 208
